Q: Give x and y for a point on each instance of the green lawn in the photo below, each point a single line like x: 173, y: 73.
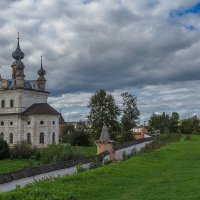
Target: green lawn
x: 169, y: 173
x: 18, y: 164
x: 14, y: 165
x: 88, y: 151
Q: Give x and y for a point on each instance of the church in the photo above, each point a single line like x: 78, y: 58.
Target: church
x: 24, y: 111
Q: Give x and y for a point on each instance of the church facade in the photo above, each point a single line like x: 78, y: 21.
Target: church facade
x: 24, y: 111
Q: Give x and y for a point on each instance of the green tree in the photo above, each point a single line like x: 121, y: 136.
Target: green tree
x: 174, y: 123
x: 4, y: 149
x: 160, y: 122
x: 76, y: 135
x: 68, y: 132
x: 81, y: 135
x: 130, y: 111
x: 190, y: 125
x: 103, y: 109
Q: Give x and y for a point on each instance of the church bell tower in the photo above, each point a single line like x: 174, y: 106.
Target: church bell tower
x: 18, y: 66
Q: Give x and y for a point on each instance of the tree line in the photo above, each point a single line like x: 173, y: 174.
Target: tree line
x: 120, y: 120
x: 103, y: 109
x: 173, y: 124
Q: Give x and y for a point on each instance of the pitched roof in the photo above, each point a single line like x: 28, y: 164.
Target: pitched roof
x: 104, y: 134
x: 41, y: 108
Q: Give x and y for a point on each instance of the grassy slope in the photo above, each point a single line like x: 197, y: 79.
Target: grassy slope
x: 14, y: 165
x: 171, y: 172
x: 8, y: 165
x: 89, y: 151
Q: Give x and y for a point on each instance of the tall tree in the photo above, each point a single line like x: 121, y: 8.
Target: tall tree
x: 160, y: 122
x: 103, y: 109
x: 174, y: 123
x: 130, y: 111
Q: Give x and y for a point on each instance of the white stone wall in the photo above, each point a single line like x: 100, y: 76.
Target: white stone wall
x: 20, y: 128
x: 7, y: 128
x: 22, y: 99
x: 126, y: 151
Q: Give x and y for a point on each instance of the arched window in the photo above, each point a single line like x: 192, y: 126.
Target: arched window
x: 2, y: 103
x: 53, y: 138
x: 2, y: 136
x: 11, y: 138
x: 28, y: 138
x: 41, y: 138
x: 11, y: 103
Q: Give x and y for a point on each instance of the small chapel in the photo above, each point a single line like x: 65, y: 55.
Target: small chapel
x: 24, y: 111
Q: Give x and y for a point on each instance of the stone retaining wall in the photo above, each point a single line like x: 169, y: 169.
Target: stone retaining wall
x: 5, y: 178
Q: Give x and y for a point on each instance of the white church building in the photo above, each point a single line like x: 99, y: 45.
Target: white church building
x: 24, y: 111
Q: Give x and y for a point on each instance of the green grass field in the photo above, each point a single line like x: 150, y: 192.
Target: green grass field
x: 8, y: 165
x: 169, y: 173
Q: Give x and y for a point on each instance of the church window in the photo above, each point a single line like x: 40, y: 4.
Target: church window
x: 28, y: 138
x: 3, y: 103
x: 53, y: 138
x: 53, y: 122
x: 2, y: 123
x: 2, y: 135
x: 28, y: 122
x: 11, y: 123
x: 41, y: 138
x: 11, y: 103
x: 11, y: 138
x: 41, y: 122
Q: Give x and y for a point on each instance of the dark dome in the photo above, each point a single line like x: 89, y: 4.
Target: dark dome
x: 18, y: 54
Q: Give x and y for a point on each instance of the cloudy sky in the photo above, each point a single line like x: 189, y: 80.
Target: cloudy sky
x: 150, y: 48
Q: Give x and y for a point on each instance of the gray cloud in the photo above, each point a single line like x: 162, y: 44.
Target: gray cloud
x: 109, y: 44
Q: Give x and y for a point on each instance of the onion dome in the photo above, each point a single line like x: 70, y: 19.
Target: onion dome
x: 41, y: 71
x: 18, y: 54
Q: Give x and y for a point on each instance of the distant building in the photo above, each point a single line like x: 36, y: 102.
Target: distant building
x: 24, y: 111
x: 140, y: 132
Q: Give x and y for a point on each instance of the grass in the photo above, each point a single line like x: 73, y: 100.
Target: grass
x: 168, y: 173
x: 9, y: 165
x: 88, y: 151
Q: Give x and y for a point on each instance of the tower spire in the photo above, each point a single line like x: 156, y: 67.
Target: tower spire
x: 18, y: 66
x: 41, y: 80
x: 41, y: 71
x: 18, y: 54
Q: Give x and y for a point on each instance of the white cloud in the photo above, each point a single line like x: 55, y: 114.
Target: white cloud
x: 109, y: 44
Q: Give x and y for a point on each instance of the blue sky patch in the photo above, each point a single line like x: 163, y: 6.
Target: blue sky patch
x: 185, y: 11
x: 191, y: 28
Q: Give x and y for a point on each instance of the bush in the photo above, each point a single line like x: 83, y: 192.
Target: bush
x: 76, y: 136
x: 4, y: 149
x: 21, y: 150
x: 80, y: 168
x: 57, y: 153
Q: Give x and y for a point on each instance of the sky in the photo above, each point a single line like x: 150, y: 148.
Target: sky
x: 149, y: 48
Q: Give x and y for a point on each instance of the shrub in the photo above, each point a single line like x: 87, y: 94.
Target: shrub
x: 57, y: 153
x: 76, y: 136
x: 80, y: 168
x: 98, y: 162
x: 4, y: 149
x: 21, y: 150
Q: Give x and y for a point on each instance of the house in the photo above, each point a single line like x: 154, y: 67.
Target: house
x: 140, y: 132
x: 24, y: 111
